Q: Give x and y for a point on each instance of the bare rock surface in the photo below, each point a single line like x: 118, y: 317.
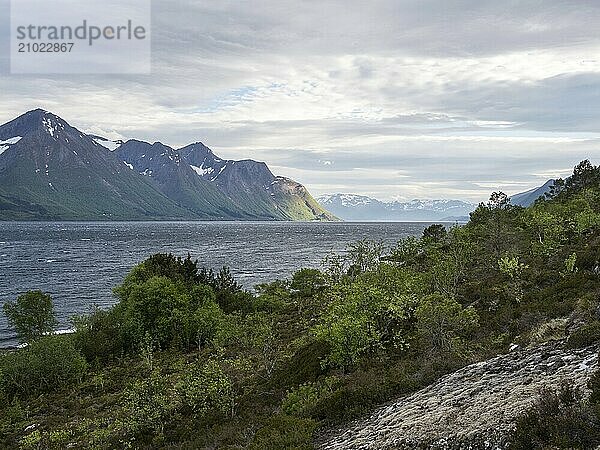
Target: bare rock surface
x: 472, y: 408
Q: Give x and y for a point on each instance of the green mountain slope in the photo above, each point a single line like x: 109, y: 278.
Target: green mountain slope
x: 56, y: 172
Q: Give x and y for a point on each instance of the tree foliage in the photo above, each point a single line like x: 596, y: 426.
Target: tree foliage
x: 444, y: 325
x: 31, y: 315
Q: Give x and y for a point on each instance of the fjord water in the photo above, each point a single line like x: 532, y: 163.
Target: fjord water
x: 79, y: 263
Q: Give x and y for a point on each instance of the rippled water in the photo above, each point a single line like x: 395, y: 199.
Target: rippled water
x: 80, y: 263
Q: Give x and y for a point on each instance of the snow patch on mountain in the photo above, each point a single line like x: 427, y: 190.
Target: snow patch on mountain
x: 5, y: 145
x: 220, y: 172
x: 347, y: 200
x: 106, y: 143
x: 201, y: 171
x: 53, y: 125
x: 11, y: 141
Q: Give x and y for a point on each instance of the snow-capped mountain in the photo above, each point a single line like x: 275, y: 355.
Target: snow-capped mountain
x: 362, y: 208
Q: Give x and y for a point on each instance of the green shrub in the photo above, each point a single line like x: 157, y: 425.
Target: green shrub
x: 172, y: 313
x: 175, y: 304
x: 53, y: 440
x: 557, y: 420
x: 511, y: 266
x: 548, y: 331
x: 149, y: 405
x: 13, y: 417
x: 303, y: 366
x: 99, y: 336
x: 47, y: 364
x: 272, y: 296
x: 443, y: 324
x: 205, y: 388
x: 586, y: 335
x: 364, y: 318
x: 285, y: 432
x: 301, y: 401
x: 306, y: 286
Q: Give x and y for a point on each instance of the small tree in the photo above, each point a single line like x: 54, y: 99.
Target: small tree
x: 511, y: 266
x: 443, y: 323
x: 31, y: 315
x: 364, y: 256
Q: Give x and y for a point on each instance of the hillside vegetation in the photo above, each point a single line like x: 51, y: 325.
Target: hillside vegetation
x: 188, y: 359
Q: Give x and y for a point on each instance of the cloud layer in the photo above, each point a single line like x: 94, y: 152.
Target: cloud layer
x: 389, y: 98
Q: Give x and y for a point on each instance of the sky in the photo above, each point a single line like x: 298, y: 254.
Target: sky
x: 394, y: 99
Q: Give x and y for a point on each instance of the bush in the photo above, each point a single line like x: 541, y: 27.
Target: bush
x: 364, y: 318
x: 205, y: 388
x: 557, y: 420
x: 171, y: 313
x: 301, y: 401
x: 443, y: 323
x: 272, y: 296
x: 32, y: 315
x: 171, y: 303
x: 586, y: 335
x: 285, y: 432
x: 306, y: 286
x: 548, y: 331
x: 99, y: 336
x: 48, y: 364
x: 148, y: 405
x: 303, y: 366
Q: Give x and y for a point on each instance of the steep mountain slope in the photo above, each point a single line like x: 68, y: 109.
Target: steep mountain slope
x: 360, y: 207
x: 529, y: 197
x: 175, y: 178
x: 252, y: 186
x: 50, y: 170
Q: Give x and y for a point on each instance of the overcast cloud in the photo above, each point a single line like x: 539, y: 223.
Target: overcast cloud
x: 388, y: 98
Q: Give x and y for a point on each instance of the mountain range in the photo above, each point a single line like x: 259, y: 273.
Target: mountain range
x: 362, y: 208
x: 355, y: 207
x: 50, y: 170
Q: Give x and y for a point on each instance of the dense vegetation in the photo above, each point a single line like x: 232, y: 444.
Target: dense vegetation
x: 189, y: 359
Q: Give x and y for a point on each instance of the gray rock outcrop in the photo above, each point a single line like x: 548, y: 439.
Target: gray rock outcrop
x: 472, y: 408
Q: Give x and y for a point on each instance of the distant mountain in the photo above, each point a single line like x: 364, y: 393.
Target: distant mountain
x: 52, y: 171
x: 361, y: 208
x: 529, y: 197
